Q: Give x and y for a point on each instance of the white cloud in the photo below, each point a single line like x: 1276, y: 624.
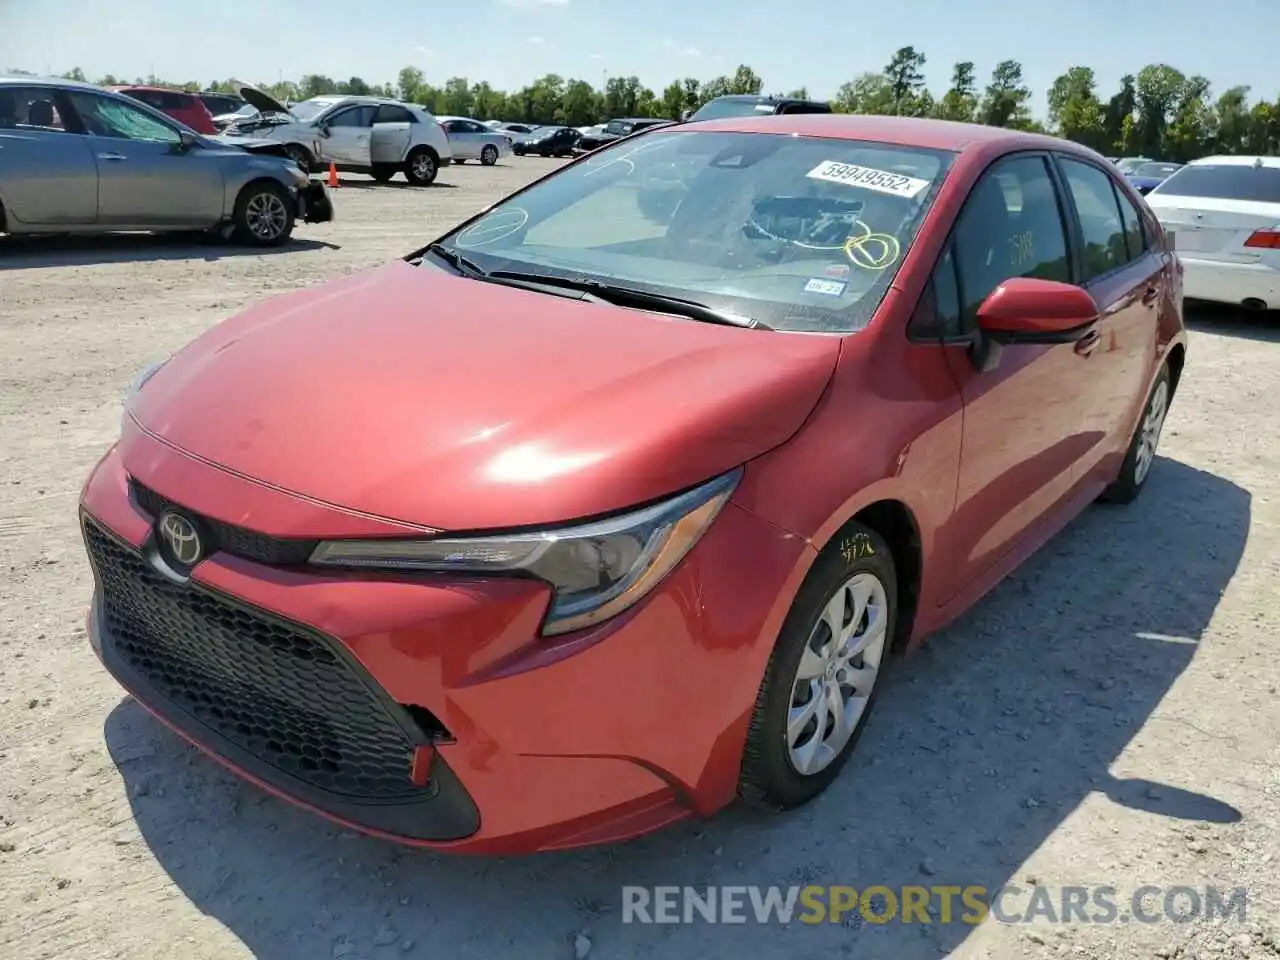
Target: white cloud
x: 597, y: 56
x: 533, y: 4
x: 427, y: 50
x: 537, y: 40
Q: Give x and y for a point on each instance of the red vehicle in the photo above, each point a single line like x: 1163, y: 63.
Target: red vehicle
x: 182, y: 106
x: 583, y: 520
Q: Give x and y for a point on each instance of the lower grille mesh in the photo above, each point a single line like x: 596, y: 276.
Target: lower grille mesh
x: 273, y: 689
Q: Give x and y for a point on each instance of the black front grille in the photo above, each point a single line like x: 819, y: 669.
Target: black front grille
x: 238, y: 541
x: 289, y: 697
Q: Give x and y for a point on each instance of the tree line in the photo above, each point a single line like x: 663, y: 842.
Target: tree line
x: 1159, y: 112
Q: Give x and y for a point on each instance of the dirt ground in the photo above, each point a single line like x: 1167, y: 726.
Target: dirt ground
x: 1108, y: 716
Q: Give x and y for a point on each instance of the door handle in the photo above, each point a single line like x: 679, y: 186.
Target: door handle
x: 112, y: 156
x: 1150, y: 295
x: 1088, y: 343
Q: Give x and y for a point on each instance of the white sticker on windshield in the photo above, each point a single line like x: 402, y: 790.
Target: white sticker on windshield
x: 830, y: 288
x: 868, y: 178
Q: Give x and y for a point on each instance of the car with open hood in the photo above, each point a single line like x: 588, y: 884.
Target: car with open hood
x: 373, y: 135
x: 76, y: 158
x: 573, y: 523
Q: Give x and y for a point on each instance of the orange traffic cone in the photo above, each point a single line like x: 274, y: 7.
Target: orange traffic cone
x: 333, y: 176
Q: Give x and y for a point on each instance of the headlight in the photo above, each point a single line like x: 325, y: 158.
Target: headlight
x: 596, y: 569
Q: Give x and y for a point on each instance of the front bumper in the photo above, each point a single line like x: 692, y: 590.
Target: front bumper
x: 426, y: 710
x: 315, y: 205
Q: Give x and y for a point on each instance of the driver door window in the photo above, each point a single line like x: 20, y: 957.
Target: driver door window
x: 107, y: 117
x: 1011, y: 226
x: 354, y: 117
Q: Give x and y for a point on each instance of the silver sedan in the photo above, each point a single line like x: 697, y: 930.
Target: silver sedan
x: 76, y: 158
x: 472, y: 140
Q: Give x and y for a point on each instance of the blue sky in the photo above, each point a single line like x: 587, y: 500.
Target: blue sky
x: 510, y: 42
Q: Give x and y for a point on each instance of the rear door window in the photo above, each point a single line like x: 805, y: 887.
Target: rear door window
x: 26, y: 108
x: 1224, y: 182
x: 389, y: 113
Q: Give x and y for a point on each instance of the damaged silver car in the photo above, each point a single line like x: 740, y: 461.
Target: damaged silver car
x: 372, y: 135
x: 78, y: 159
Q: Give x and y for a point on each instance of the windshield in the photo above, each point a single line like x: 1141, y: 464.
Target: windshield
x: 1225, y: 182
x: 716, y: 109
x: 310, y: 108
x: 1157, y: 169
x: 797, y: 233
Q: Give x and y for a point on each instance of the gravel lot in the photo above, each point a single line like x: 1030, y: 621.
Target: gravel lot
x: 1108, y: 716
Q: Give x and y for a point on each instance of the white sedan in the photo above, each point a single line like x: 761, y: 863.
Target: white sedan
x: 472, y: 140
x: 1224, y: 217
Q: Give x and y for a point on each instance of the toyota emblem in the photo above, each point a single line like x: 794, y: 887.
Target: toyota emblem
x: 182, y: 539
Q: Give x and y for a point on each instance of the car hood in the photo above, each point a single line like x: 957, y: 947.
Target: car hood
x: 252, y: 145
x: 415, y: 395
x: 263, y: 101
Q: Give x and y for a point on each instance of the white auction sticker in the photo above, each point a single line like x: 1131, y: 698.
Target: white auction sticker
x: 830, y: 288
x: 869, y: 178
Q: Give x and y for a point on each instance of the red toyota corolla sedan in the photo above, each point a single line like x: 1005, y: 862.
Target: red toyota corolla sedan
x: 610, y: 506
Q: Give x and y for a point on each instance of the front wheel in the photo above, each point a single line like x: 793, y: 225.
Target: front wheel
x: 489, y: 155
x: 421, y: 167
x: 264, y: 215
x: 823, y: 675
x: 1142, y: 447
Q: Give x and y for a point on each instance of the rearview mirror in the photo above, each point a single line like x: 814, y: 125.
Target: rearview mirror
x: 1027, y: 310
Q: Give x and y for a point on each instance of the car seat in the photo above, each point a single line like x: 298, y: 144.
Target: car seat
x: 40, y: 113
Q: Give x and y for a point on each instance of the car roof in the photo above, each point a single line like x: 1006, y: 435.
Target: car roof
x: 55, y: 82
x: 903, y: 131
x: 150, y: 87
x: 1235, y: 161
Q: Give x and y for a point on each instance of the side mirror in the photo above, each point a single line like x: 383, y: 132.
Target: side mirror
x: 186, y: 141
x: 322, y: 129
x: 1026, y: 310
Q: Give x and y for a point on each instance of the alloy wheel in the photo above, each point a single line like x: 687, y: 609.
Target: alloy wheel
x: 1149, y: 431
x: 266, y: 216
x: 838, y: 671
x: 424, y: 168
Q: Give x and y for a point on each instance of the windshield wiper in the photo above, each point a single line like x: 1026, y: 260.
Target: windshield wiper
x: 469, y: 268
x: 457, y: 261
x: 630, y: 296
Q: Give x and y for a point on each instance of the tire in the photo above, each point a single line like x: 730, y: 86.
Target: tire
x: 264, y: 214
x: 421, y: 166
x: 382, y: 172
x: 301, y: 156
x: 489, y: 155
x: 1140, y: 456
x: 773, y: 774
